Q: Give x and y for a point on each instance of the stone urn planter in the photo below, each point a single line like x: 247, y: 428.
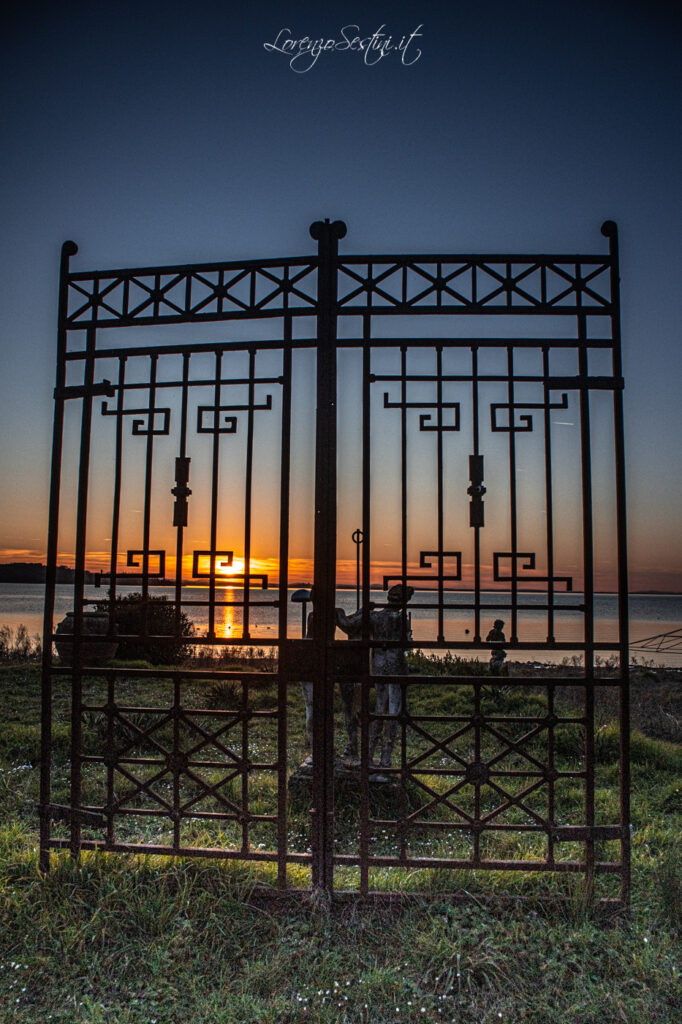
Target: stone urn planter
x: 95, y: 624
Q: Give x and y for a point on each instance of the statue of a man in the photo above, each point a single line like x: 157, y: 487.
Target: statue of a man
x: 388, y: 623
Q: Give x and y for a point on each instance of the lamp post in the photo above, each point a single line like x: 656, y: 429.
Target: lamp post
x: 302, y: 597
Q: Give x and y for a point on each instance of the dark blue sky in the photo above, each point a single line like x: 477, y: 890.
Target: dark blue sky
x: 159, y: 133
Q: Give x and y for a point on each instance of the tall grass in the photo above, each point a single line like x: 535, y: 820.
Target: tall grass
x: 19, y: 646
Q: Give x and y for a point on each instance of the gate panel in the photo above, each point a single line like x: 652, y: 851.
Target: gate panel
x: 449, y: 450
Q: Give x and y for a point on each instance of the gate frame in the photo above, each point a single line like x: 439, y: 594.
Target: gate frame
x: 326, y: 307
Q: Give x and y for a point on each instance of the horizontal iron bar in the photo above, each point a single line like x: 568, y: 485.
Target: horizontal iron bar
x: 470, y: 309
x: 104, y: 387
x: 236, y: 714
x: 487, y: 680
x: 606, y: 867
x: 195, y: 268
x: 67, y: 814
x: 208, y: 347
x: 461, y: 342
x: 237, y: 765
x: 192, y: 318
x: 180, y: 850
x: 411, y: 342
x: 246, y: 674
x: 475, y: 258
x: 378, y: 860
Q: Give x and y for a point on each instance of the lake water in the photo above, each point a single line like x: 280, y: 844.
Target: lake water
x: 649, y: 615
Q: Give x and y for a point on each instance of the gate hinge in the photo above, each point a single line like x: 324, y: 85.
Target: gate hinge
x: 67, y: 814
x: 103, y: 387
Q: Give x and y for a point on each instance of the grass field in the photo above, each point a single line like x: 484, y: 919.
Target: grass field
x: 132, y: 939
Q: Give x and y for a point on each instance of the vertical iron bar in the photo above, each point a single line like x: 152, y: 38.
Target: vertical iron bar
x: 403, y: 480
x: 282, y: 680
x: 439, y: 485
x: 327, y: 235
x: 366, y: 567
x: 179, y: 537
x: 177, y: 817
x: 78, y: 588
x: 477, y: 529
x: 215, y: 465
x: 69, y: 249
x: 588, y: 592
x: 149, y: 466
x: 118, y: 471
x: 357, y: 540
x: 551, y: 793
x: 402, y: 803
x: 512, y: 495
x: 244, y: 816
x: 477, y: 719
x: 548, y: 497
x: 110, y: 760
x: 610, y: 231
x: 248, y: 486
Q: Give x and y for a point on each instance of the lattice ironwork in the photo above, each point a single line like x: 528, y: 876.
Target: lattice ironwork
x: 460, y: 485
x: 671, y: 642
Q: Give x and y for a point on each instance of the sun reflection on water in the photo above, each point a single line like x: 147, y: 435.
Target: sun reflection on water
x: 226, y: 625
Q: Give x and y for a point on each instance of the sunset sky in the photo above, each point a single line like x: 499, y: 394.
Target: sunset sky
x: 159, y: 133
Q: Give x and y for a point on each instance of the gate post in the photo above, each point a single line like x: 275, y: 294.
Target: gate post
x: 69, y: 249
x: 327, y: 236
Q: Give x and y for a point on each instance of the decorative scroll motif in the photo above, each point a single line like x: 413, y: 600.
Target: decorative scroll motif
x: 476, y: 491
x: 424, y: 563
x: 226, y: 424
x: 214, y: 566
x: 426, y: 419
x: 529, y: 558
x: 227, y: 559
x: 132, y: 562
x: 525, y: 422
x: 181, y: 491
x: 470, y: 284
x: 190, y: 294
x: 143, y: 427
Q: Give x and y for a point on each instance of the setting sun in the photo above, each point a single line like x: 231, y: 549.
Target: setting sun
x: 237, y: 568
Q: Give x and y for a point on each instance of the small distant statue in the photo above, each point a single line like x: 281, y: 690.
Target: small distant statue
x: 385, y: 624
x: 497, y: 654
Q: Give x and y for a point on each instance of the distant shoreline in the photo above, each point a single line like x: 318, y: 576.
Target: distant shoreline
x: 169, y: 584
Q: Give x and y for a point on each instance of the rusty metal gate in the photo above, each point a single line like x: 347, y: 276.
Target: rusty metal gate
x: 449, y: 423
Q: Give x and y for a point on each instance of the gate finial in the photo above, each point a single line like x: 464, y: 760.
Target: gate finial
x: 337, y: 229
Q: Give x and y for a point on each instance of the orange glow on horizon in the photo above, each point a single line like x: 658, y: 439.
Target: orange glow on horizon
x: 301, y: 571
x: 225, y: 571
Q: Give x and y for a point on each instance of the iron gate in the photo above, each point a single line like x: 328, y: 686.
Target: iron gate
x: 457, y: 453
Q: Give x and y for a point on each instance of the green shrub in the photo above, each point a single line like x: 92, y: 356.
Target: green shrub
x: 135, y: 614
